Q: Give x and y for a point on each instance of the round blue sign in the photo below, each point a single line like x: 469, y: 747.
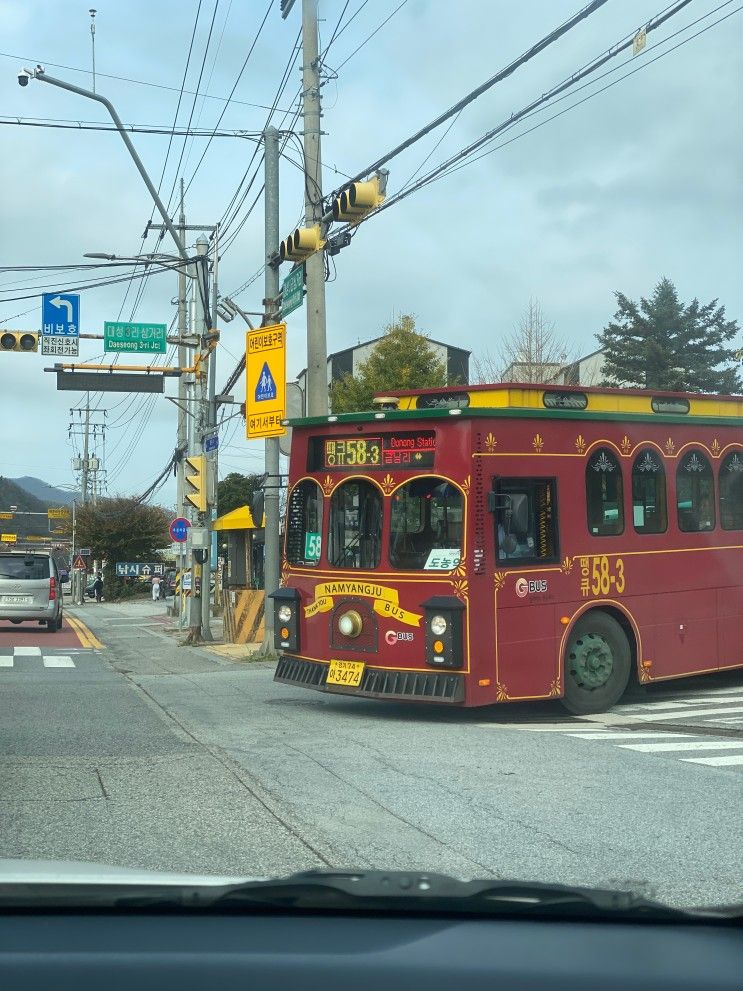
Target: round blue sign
x: 179, y: 529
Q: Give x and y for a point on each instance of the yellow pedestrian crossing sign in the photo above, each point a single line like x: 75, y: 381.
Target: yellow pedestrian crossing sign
x: 265, y: 380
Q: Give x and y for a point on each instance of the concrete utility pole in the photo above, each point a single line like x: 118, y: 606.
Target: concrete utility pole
x: 85, y: 449
x: 184, y: 361
x: 201, y: 604
x: 317, y: 349
x: 272, y: 549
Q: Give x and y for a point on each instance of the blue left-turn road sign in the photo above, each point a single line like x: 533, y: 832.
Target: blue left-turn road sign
x: 60, y: 314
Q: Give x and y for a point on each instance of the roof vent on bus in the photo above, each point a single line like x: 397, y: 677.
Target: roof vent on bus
x: 386, y: 402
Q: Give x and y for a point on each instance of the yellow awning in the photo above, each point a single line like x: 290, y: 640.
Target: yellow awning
x: 238, y: 519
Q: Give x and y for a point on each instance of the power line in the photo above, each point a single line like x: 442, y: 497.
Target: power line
x: 445, y: 167
x: 232, y: 91
x: 69, y: 125
x: 504, y: 73
x: 370, y: 36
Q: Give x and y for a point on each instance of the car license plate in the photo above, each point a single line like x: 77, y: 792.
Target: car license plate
x: 348, y: 673
x: 17, y: 600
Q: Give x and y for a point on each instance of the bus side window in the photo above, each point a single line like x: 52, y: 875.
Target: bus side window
x: 731, y: 492
x: 525, y: 513
x: 604, y: 498
x: 695, y: 493
x: 649, y: 513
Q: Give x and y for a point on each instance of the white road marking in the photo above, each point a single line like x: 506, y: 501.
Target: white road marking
x: 689, y: 713
x: 6, y: 661
x: 27, y: 651
x: 717, y: 691
x: 727, y: 761
x: 628, y: 735
x: 60, y: 661
x: 642, y: 706
x: 650, y: 748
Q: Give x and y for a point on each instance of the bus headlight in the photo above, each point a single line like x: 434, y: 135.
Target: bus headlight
x: 284, y: 614
x: 438, y: 626
x: 350, y: 624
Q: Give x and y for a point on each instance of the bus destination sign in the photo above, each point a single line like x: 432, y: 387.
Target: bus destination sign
x: 408, y: 449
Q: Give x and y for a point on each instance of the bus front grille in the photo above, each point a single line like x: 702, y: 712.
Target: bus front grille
x: 433, y: 686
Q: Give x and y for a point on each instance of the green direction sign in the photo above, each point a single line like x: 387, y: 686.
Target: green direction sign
x: 292, y: 290
x: 143, y: 338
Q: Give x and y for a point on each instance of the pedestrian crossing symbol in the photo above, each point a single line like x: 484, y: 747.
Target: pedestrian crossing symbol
x: 266, y: 386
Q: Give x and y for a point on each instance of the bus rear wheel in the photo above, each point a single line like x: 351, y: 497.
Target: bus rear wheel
x: 597, y: 664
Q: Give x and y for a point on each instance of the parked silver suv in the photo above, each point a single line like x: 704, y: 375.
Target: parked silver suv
x: 30, y: 589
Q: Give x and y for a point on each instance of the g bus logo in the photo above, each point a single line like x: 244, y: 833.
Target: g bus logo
x: 393, y: 636
x: 524, y: 587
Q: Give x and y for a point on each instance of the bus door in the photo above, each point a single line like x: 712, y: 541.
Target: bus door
x: 525, y: 530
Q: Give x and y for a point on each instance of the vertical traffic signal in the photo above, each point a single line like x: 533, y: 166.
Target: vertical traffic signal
x: 196, y: 464
x: 302, y: 243
x: 359, y: 199
x: 19, y: 340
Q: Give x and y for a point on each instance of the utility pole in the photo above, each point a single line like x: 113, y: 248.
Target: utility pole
x: 85, y: 448
x: 88, y: 466
x: 184, y: 354
x: 317, y: 348
x: 271, y: 549
x: 201, y: 612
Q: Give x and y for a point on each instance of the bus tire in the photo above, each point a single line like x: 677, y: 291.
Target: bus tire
x: 597, y: 663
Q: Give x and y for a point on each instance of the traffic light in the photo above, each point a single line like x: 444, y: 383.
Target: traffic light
x: 359, y: 199
x: 197, y: 481
x: 305, y: 241
x: 19, y: 340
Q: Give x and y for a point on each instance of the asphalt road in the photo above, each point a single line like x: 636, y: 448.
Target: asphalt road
x: 148, y: 754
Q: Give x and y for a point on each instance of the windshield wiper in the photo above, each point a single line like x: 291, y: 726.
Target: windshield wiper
x: 412, y: 892
x: 403, y: 892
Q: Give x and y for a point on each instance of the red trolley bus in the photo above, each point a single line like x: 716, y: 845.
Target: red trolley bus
x: 499, y: 543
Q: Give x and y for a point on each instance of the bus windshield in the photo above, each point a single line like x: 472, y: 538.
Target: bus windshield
x: 426, y: 525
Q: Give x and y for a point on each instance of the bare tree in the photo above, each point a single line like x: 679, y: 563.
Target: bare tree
x: 532, y: 353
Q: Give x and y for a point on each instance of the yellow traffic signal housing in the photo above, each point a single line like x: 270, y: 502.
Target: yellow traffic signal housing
x: 19, y: 340
x: 359, y: 199
x: 197, y: 481
x: 305, y: 241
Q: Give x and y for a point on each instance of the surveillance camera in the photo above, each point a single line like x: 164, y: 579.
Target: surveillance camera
x: 23, y: 78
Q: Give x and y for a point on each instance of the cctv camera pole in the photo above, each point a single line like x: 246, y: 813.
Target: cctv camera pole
x: 317, y: 349
x: 271, y: 547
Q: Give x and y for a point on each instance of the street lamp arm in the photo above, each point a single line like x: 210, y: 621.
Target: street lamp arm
x: 39, y: 73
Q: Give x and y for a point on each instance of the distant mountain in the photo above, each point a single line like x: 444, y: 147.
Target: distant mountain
x: 46, y: 493
x: 13, y: 495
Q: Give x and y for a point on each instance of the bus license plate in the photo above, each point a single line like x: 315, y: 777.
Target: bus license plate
x: 348, y: 673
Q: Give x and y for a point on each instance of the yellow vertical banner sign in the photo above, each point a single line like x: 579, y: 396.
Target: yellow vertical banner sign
x: 265, y: 381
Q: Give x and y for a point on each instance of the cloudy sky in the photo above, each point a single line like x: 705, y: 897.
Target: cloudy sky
x: 639, y: 181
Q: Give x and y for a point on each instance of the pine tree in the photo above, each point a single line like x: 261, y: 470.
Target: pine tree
x: 403, y: 359
x: 662, y: 344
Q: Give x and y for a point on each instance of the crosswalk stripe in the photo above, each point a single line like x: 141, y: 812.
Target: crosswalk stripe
x: 729, y: 760
x: 27, y: 651
x: 642, y: 706
x: 689, y: 713
x: 6, y: 661
x: 649, y: 748
x: 716, y: 691
x: 628, y: 735
x: 58, y: 661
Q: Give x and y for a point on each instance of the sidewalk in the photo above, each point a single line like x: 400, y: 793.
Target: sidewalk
x: 145, y: 611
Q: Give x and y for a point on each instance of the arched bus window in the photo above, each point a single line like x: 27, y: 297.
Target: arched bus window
x: 355, y: 529
x: 304, y: 524
x: 649, y: 513
x: 604, y: 494
x: 731, y: 492
x: 426, y: 525
x: 695, y: 493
